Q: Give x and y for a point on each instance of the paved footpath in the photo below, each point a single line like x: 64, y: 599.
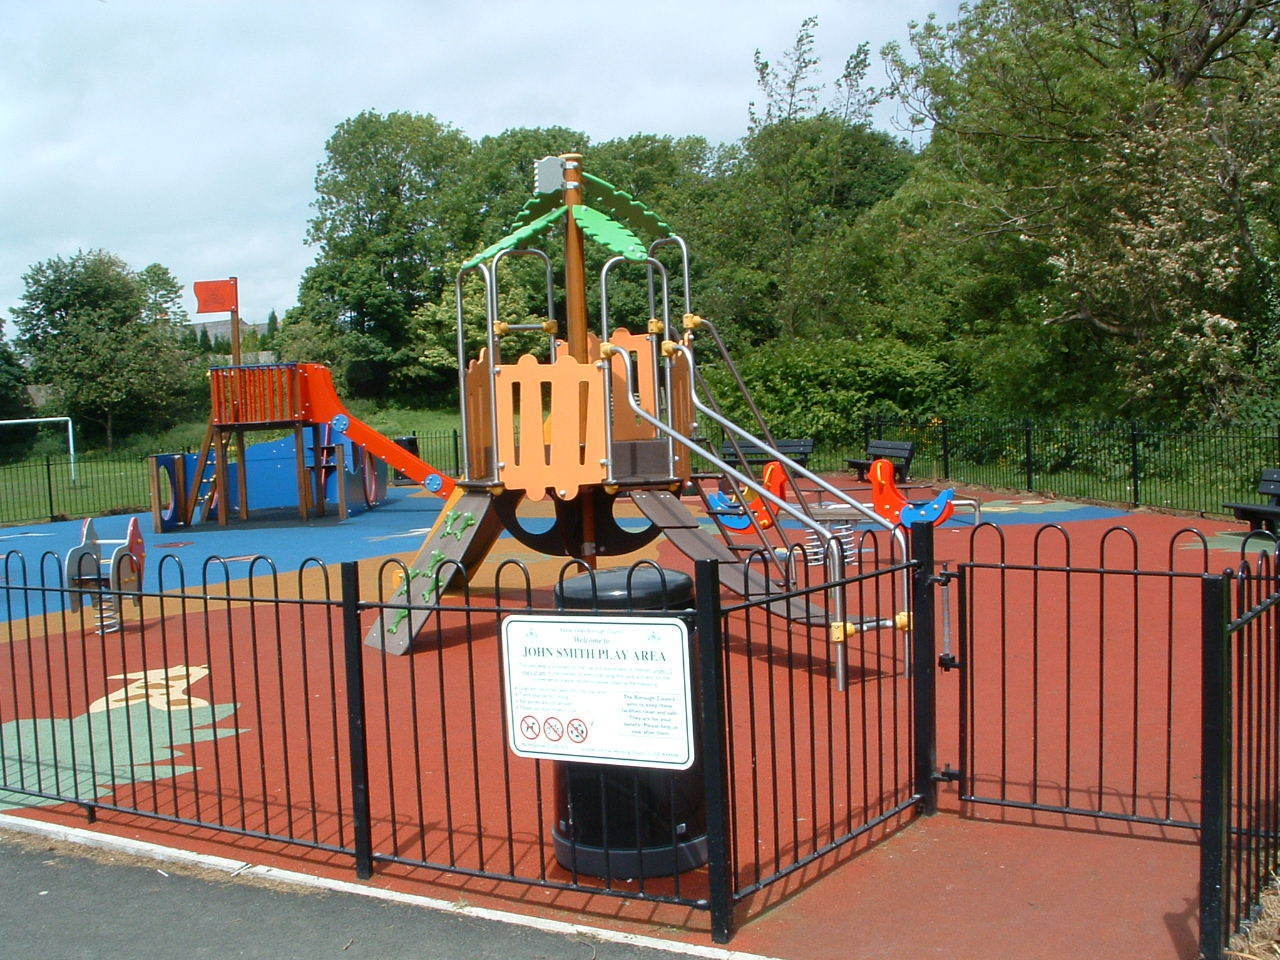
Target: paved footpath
x: 63, y: 902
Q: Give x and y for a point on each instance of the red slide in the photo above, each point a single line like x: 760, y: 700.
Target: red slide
x: 322, y: 404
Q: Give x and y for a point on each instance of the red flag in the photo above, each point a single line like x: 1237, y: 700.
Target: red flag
x: 216, y: 296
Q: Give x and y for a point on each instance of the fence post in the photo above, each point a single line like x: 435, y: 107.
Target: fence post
x: 351, y: 643
x: 1026, y: 450
x: 1133, y: 461
x: 48, y: 485
x: 923, y: 674
x: 946, y: 450
x: 1215, y: 764
x: 457, y: 455
x: 714, y: 760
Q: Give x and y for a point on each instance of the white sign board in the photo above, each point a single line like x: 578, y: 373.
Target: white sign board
x: 613, y: 690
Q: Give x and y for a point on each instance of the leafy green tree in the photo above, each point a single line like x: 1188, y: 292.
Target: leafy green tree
x: 775, y: 202
x: 91, y: 329
x: 273, y: 327
x: 383, y: 190
x: 1121, y: 159
x: 206, y: 345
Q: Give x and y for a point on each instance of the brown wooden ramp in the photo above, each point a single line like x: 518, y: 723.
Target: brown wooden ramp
x: 463, y: 534
x: 665, y: 510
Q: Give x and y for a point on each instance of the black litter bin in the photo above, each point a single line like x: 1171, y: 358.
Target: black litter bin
x: 628, y: 822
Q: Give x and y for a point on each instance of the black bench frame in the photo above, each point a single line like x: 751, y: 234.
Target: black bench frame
x: 1261, y: 516
x: 899, y: 452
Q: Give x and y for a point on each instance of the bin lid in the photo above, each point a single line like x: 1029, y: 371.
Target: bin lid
x: 622, y: 588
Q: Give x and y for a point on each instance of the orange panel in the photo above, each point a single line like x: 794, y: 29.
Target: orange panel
x: 479, y: 429
x: 575, y: 419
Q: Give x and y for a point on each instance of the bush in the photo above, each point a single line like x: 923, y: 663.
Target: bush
x: 822, y: 389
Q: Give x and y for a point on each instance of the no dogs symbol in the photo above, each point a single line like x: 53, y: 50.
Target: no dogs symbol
x: 577, y: 731
x: 553, y: 728
x: 530, y: 727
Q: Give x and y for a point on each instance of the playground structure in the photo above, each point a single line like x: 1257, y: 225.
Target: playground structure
x: 609, y: 415
x: 286, y: 396
x: 95, y: 579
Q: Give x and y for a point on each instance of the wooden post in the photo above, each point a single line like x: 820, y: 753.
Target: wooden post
x: 340, y: 479
x: 575, y: 295
x: 575, y: 264
x: 220, y: 487
x: 242, y: 476
x: 304, y: 484
x: 156, y: 522
x: 317, y: 475
x: 235, y: 330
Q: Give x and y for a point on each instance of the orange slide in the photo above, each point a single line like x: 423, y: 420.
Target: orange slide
x: 322, y: 405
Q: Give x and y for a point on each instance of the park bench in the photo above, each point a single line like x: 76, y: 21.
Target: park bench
x: 755, y: 456
x: 1261, y: 516
x: 899, y: 452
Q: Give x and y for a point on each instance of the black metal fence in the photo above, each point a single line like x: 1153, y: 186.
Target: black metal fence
x: 1115, y: 680
x: 1142, y: 464
x: 1112, y: 461
x: 57, y: 488
x: 244, y: 701
x: 1240, y: 849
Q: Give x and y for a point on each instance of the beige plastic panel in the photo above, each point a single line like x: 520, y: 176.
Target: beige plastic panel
x: 553, y: 437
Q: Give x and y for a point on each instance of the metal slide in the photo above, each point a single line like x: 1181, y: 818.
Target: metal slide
x: 323, y: 406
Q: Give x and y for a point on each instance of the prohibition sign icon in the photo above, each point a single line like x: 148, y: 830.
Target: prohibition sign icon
x: 577, y: 730
x: 530, y: 727
x: 553, y: 728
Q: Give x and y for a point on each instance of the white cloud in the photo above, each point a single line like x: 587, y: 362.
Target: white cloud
x: 189, y: 133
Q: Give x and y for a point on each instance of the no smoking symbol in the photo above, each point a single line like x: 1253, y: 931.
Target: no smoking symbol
x: 577, y: 731
x: 553, y: 728
x: 530, y: 727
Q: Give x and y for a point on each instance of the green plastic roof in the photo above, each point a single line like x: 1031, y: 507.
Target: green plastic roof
x: 611, y: 217
x: 535, y: 207
x: 609, y: 233
x: 623, y: 207
x: 517, y: 237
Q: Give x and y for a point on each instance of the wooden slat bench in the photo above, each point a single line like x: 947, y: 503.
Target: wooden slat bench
x: 1261, y: 516
x: 900, y: 452
x: 799, y: 450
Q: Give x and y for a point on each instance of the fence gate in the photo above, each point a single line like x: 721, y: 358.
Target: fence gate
x: 1080, y: 686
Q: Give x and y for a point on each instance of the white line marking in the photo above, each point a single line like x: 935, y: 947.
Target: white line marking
x: 155, y: 851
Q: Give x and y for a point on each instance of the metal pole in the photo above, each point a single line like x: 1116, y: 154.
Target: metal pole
x: 946, y: 451
x: 1133, y: 461
x: 1215, y: 765
x: 923, y: 676
x: 1027, y: 454
x: 352, y: 647
x: 48, y: 484
x: 714, y: 759
x: 71, y: 446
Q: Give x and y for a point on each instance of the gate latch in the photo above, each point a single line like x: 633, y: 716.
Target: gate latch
x: 947, y: 774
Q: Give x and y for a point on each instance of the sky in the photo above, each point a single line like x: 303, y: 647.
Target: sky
x: 188, y: 133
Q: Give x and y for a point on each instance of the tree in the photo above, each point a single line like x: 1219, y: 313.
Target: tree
x: 383, y: 191
x: 90, y: 328
x: 774, y: 202
x: 273, y: 327
x: 1123, y: 155
x: 206, y: 345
